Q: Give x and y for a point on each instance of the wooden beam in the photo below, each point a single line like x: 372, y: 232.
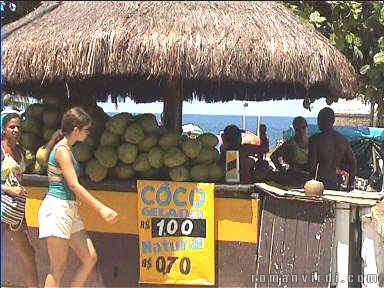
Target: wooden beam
x: 173, y: 105
x: 341, y: 246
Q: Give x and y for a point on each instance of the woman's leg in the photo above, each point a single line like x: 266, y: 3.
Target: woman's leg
x: 83, y: 246
x: 26, y: 252
x: 58, y: 252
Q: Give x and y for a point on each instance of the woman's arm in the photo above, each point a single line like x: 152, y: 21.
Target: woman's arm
x: 18, y: 191
x: 64, y: 158
x: 251, y: 149
x: 279, y: 152
x: 264, y: 145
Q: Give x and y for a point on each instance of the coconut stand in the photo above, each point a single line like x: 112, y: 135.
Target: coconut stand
x: 173, y: 52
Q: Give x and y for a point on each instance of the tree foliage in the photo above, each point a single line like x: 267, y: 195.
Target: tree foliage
x: 356, y: 28
x: 10, y: 12
x: 13, y: 10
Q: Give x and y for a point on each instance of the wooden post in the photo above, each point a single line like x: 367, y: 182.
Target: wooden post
x: 340, y: 262
x: 380, y: 112
x: 173, y: 105
x: 371, y: 251
x: 372, y: 115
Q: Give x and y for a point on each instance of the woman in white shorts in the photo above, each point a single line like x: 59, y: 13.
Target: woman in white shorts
x: 59, y: 221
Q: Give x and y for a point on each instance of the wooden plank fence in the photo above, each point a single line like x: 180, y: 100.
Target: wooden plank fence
x: 295, y: 245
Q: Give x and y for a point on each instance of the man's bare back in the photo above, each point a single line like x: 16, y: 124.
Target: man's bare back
x: 328, y: 149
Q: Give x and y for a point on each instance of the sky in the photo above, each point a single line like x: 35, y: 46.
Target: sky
x: 290, y: 108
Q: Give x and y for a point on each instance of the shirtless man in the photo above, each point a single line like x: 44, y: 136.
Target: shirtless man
x: 327, y: 149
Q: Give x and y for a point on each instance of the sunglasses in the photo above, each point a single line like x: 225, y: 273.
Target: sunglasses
x: 86, y: 129
x: 300, y: 128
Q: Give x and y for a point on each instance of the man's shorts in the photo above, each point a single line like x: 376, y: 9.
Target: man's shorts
x: 59, y: 218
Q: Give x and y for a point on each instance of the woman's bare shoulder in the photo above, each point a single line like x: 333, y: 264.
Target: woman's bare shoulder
x: 62, y: 150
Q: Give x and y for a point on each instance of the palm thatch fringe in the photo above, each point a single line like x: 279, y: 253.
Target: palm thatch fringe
x: 220, y: 50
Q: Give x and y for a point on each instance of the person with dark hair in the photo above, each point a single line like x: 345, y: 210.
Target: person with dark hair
x: 262, y: 167
x: 327, y: 150
x: 294, y: 153
x: 12, y: 151
x: 59, y: 221
x: 264, y: 141
x: 232, y: 141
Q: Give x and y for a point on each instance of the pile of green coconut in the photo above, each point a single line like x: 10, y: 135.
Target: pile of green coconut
x: 124, y: 146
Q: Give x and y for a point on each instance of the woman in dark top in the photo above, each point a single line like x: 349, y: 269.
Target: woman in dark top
x: 293, y: 152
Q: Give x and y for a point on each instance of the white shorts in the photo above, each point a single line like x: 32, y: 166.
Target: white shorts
x: 59, y: 218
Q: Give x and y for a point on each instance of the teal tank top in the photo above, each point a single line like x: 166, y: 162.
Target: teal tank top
x: 57, y: 186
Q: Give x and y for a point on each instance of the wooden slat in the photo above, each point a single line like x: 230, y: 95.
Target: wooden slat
x: 288, y: 260
x: 296, y: 194
x: 301, y: 246
x: 295, y: 241
x: 275, y: 266
x: 353, y: 194
x: 266, y: 238
x: 357, y: 201
x: 326, y: 240
x: 314, y: 234
x: 237, y: 191
x: 268, y: 188
x: 356, y: 194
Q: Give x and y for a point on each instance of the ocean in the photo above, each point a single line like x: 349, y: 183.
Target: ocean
x: 216, y: 123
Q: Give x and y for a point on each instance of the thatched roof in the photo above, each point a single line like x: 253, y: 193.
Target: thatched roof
x: 220, y: 50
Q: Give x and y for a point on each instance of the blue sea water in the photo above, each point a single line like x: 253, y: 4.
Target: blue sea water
x: 216, y: 123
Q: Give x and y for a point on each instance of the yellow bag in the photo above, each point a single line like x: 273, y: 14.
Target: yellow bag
x: 8, y: 164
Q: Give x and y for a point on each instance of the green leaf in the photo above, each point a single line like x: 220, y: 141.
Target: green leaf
x: 356, y: 9
x: 307, y: 104
x: 321, y: 19
x: 364, y: 69
x: 357, y: 41
x: 381, y: 18
x: 376, y: 6
x: 294, y: 8
x: 381, y: 42
x: 315, y: 17
x: 332, y: 39
x: 349, y: 38
x: 357, y: 53
x: 339, y: 42
x: 379, y: 58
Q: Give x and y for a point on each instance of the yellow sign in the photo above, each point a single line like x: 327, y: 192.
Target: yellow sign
x: 176, y: 232
x: 232, y: 167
